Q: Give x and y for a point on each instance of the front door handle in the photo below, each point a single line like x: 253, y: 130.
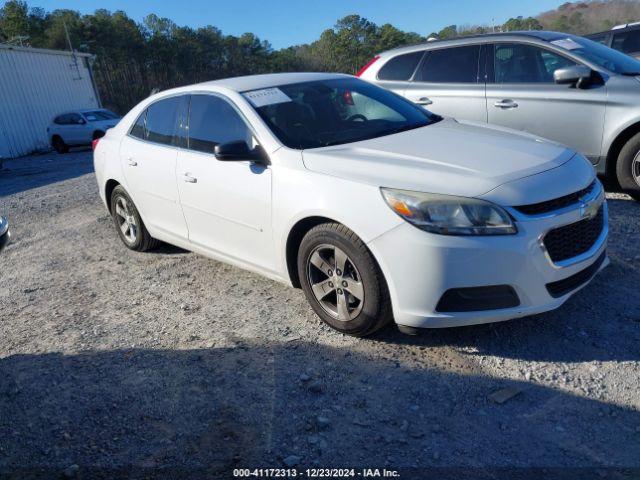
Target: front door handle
x: 189, y: 178
x: 132, y: 162
x: 424, y: 101
x: 506, y: 104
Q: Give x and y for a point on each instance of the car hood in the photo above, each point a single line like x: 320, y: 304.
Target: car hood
x: 448, y: 157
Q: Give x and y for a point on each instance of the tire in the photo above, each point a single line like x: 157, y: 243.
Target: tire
x: 340, y: 290
x: 128, y: 222
x: 628, y: 167
x: 59, y: 145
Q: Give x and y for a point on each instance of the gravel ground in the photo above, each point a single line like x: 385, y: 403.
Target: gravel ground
x: 170, y: 364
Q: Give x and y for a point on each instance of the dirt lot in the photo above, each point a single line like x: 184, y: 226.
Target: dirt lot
x: 171, y: 364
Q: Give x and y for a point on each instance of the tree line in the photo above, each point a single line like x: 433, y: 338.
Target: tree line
x: 132, y: 58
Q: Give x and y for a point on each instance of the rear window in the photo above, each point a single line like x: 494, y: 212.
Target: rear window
x: 400, y: 67
x: 450, y: 65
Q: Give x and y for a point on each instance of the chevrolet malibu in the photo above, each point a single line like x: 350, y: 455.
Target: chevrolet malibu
x: 378, y: 209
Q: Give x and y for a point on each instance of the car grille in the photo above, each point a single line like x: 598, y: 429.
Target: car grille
x: 572, y: 240
x: 566, y: 285
x: 556, y: 203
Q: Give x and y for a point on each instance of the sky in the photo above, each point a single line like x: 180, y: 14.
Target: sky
x: 289, y: 22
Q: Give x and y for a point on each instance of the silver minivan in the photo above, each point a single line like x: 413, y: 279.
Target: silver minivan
x: 554, y: 85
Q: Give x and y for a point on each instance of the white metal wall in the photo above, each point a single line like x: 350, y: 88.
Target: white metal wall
x: 35, y: 86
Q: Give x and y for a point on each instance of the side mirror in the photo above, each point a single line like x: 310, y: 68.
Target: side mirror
x: 81, y: 121
x: 5, y: 235
x: 238, y: 151
x: 577, y: 75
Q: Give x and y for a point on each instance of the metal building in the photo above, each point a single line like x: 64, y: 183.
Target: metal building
x: 35, y: 86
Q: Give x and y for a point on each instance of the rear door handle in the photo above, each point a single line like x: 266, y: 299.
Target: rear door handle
x: 506, y: 104
x: 424, y: 101
x: 189, y: 178
x: 132, y: 162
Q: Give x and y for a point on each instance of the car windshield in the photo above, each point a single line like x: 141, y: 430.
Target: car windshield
x: 601, y: 55
x: 334, y: 111
x: 99, y: 115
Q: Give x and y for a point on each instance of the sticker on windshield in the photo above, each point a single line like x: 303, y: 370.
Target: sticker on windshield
x: 567, y: 44
x: 267, y: 96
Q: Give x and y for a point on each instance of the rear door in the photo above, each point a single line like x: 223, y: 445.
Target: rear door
x: 448, y: 82
x: 522, y: 95
x: 149, y: 154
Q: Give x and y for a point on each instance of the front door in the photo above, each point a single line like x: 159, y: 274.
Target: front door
x: 448, y: 83
x: 227, y: 204
x: 524, y: 96
x: 148, y: 155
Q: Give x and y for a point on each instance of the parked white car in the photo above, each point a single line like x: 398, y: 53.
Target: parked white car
x: 80, y: 127
x: 379, y: 213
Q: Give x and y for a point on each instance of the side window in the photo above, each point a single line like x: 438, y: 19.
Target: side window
x: 60, y: 120
x: 138, y: 129
x: 212, y: 121
x: 627, y: 42
x: 520, y: 63
x: 162, y: 121
x: 400, y: 67
x: 450, y: 65
x: 74, y: 119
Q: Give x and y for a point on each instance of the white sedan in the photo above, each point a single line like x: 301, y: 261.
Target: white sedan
x: 80, y: 127
x: 376, y: 208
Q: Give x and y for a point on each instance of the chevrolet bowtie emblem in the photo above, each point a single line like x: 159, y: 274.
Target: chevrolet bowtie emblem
x: 589, y: 208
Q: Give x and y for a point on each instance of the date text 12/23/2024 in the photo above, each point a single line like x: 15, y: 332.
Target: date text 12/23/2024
x: 315, y: 473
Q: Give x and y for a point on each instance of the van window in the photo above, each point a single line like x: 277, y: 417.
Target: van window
x: 162, y: 121
x: 212, y: 121
x: 450, y: 65
x: 400, y: 67
x: 627, y: 42
x: 521, y: 63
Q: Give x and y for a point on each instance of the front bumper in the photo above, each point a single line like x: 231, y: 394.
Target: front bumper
x: 420, y: 267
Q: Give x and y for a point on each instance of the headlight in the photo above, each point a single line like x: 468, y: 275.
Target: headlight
x: 449, y: 215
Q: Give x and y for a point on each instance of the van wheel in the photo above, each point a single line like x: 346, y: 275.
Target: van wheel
x: 128, y: 222
x: 59, y: 145
x: 628, y: 167
x: 342, y: 280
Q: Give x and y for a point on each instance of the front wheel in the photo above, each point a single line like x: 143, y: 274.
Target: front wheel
x: 628, y: 167
x: 128, y: 222
x: 342, y: 280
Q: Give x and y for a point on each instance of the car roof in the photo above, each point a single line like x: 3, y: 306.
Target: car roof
x: 544, y: 35
x: 255, y: 82
x: 627, y: 27
x: 82, y: 110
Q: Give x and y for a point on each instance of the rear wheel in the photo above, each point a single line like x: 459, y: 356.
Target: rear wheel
x: 342, y: 280
x: 128, y: 222
x: 59, y: 145
x: 628, y: 167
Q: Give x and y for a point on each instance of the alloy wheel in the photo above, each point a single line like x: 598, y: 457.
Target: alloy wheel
x: 335, y: 282
x: 635, y: 169
x: 126, y: 220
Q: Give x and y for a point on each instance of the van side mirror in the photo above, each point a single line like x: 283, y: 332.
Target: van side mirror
x: 578, y: 75
x: 239, y: 150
